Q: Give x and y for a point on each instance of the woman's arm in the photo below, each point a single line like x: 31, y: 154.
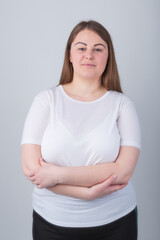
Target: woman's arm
x: 30, y: 155
x: 85, y: 193
x: 31, y: 162
x: 87, y: 176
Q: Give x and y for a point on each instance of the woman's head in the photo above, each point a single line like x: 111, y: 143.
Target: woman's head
x: 110, y: 78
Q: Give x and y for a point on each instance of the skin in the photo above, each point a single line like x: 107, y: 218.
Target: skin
x: 88, y: 54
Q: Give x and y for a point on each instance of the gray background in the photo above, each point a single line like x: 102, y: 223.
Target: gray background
x: 32, y: 42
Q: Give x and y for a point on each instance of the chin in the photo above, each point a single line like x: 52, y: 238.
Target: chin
x: 89, y: 76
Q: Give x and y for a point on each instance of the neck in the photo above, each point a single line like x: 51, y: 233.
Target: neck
x: 86, y: 86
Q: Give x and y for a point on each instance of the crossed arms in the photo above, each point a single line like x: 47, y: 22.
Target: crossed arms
x: 86, y: 182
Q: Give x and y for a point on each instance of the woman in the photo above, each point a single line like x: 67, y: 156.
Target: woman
x: 80, y: 146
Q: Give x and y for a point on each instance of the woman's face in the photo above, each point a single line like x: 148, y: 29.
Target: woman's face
x: 88, y: 55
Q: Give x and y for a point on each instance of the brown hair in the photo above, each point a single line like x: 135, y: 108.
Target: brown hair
x: 110, y: 77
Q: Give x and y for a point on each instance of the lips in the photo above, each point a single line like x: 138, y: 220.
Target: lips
x: 88, y: 65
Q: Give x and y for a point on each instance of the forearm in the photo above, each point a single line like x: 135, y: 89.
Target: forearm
x: 88, y: 176
x: 71, y: 191
x: 88, y: 193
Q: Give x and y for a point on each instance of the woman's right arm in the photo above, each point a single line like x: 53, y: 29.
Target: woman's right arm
x: 30, y: 155
x: 34, y: 127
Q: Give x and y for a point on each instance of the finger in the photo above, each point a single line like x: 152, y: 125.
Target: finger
x: 32, y: 178
x: 42, y: 162
x: 109, y: 181
x: 36, y: 182
x: 103, y: 187
x: 115, y: 188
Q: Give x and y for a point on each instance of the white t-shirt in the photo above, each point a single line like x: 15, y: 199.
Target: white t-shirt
x: 77, y: 133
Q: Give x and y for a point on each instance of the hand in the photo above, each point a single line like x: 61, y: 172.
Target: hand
x: 46, y: 175
x: 88, y: 193
x: 105, y: 188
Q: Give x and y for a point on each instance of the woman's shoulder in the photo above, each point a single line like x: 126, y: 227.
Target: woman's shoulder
x: 46, y: 96
x: 46, y: 93
x: 120, y: 96
x: 121, y: 99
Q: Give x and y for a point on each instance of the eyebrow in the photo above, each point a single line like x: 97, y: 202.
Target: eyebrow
x: 81, y: 43
x: 99, y: 44
x: 94, y: 44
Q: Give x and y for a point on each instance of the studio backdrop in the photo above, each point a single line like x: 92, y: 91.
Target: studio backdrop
x: 33, y: 36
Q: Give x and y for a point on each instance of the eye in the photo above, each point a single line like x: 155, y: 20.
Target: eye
x: 98, y: 50
x: 81, y: 49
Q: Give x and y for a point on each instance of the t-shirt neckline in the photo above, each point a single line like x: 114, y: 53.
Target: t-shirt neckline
x: 83, y: 102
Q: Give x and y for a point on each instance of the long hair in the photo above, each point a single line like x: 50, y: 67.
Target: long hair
x: 110, y: 77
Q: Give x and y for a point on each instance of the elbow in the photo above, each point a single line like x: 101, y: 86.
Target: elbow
x: 124, y: 179
x: 121, y: 180
x: 126, y: 163
x: 26, y: 171
x: 123, y: 176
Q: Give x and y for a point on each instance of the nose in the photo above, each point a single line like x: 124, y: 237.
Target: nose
x: 89, y: 55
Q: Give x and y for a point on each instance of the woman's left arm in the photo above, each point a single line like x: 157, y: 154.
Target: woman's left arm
x: 123, y: 167
x: 88, y: 176
x: 88, y: 193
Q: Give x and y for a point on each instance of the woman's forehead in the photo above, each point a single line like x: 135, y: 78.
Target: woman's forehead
x: 88, y: 37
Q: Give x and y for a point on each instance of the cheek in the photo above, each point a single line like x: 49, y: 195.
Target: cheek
x: 76, y: 58
x: 103, y: 62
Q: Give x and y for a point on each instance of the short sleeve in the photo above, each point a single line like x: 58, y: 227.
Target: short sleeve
x: 129, y: 126
x: 36, y: 120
